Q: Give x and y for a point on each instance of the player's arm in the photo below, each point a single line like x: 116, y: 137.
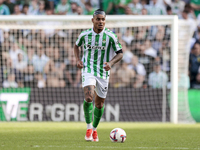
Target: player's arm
x: 118, y: 50
x: 78, y: 43
x: 116, y: 58
x: 79, y: 63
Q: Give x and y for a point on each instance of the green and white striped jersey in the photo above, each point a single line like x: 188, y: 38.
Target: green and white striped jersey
x: 98, y: 48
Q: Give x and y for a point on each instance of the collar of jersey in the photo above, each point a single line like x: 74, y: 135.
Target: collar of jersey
x: 94, y: 33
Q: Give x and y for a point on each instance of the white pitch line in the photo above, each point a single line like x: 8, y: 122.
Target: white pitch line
x: 115, y: 147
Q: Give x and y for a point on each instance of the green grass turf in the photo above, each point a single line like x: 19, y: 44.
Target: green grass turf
x: 70, y: 136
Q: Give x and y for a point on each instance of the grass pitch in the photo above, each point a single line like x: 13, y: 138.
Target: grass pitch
x: 70, y: 136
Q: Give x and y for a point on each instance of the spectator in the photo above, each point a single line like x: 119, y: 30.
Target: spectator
x: 191, y: 13
x: 190, y: 21
x: 144, y: 3
x: 164, y: 3
x: 59, y: 63
x: 25, y: 9
x: 39, y: 61
x: 128, y: 11
x: 156, y: 9
x: 73, y: 74
x: 139, y: 70
x: 40, y: 80
x: 21, y: 63
x: 74, y: 8
x: 20, y: 2
x: 194, y: 62
x: 149, y: 50
x: 121, y: 6
x: 195, y: 4
x: 52, y: 4
x: 128, y: 36
x: 10, y: 5
x: 14, y: 51
x: 157, y: 78
x: 108, y: 7
x: 144, y: 11
x: 33, y: 7
x: 94, y: 3
x: 169, y: 10
x: 144, y: 59
x: 89, y: 9
x: 41, y: 10
x: 157, y: 42
x: 7, y: 68
x: 124, y: 75
x: 177, y: 7
x: 80, y: 10
x: 53, y: 77
x: 10, y: 82
x: 4, y: 9
x: 5, y: 36
x: 17, y: 10
x: 30, y: 54
x: 128, y: 55
x: 48, y: 11
x: 62, y: 8
x: 136, y: 7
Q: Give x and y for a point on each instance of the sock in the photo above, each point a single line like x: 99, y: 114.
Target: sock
x: 88, y: 110
x: 97, y: 116
x: 94, y: 129
x: 89, y: 126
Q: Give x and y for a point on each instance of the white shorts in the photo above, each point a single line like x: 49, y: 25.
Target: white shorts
x: 101, y: 85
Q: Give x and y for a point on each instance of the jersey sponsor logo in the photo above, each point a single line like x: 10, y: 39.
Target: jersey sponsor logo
x: 95, y: 47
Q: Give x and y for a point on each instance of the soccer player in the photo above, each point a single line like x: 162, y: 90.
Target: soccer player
x: 101, y: 50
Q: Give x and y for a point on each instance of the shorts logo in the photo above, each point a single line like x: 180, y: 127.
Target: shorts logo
x: 105, y: 89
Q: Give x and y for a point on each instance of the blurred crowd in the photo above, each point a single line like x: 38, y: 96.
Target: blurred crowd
x: 36, y: 58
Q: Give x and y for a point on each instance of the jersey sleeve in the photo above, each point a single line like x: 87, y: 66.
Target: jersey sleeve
x: 79, y: 40
x: 115, y: 44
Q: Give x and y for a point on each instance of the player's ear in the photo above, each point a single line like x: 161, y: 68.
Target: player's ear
x: 92, y: 20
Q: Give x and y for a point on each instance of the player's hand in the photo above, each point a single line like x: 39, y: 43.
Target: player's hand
x: 79, y: 64
x: 107, y: 66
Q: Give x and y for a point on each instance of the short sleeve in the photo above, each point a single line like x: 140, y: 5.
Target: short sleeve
x: 115, y: 44
x: 79, y: 40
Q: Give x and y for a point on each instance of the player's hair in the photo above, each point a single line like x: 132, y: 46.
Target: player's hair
x: 99, y: 11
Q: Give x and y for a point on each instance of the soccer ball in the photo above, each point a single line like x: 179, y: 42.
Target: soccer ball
x: 118, y: 135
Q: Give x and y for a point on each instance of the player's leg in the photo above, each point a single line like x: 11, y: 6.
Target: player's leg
x: 98, y: 112
x: 101, y: 90
x: 88, y: 110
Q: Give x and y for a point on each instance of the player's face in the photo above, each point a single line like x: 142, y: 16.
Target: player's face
x: 99, y: 22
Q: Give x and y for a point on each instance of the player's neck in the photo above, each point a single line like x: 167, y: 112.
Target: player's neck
x: 97, y: 30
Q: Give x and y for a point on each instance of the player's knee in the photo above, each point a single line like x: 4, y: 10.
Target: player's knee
x: 99, y: 105
x: 89, y: 99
